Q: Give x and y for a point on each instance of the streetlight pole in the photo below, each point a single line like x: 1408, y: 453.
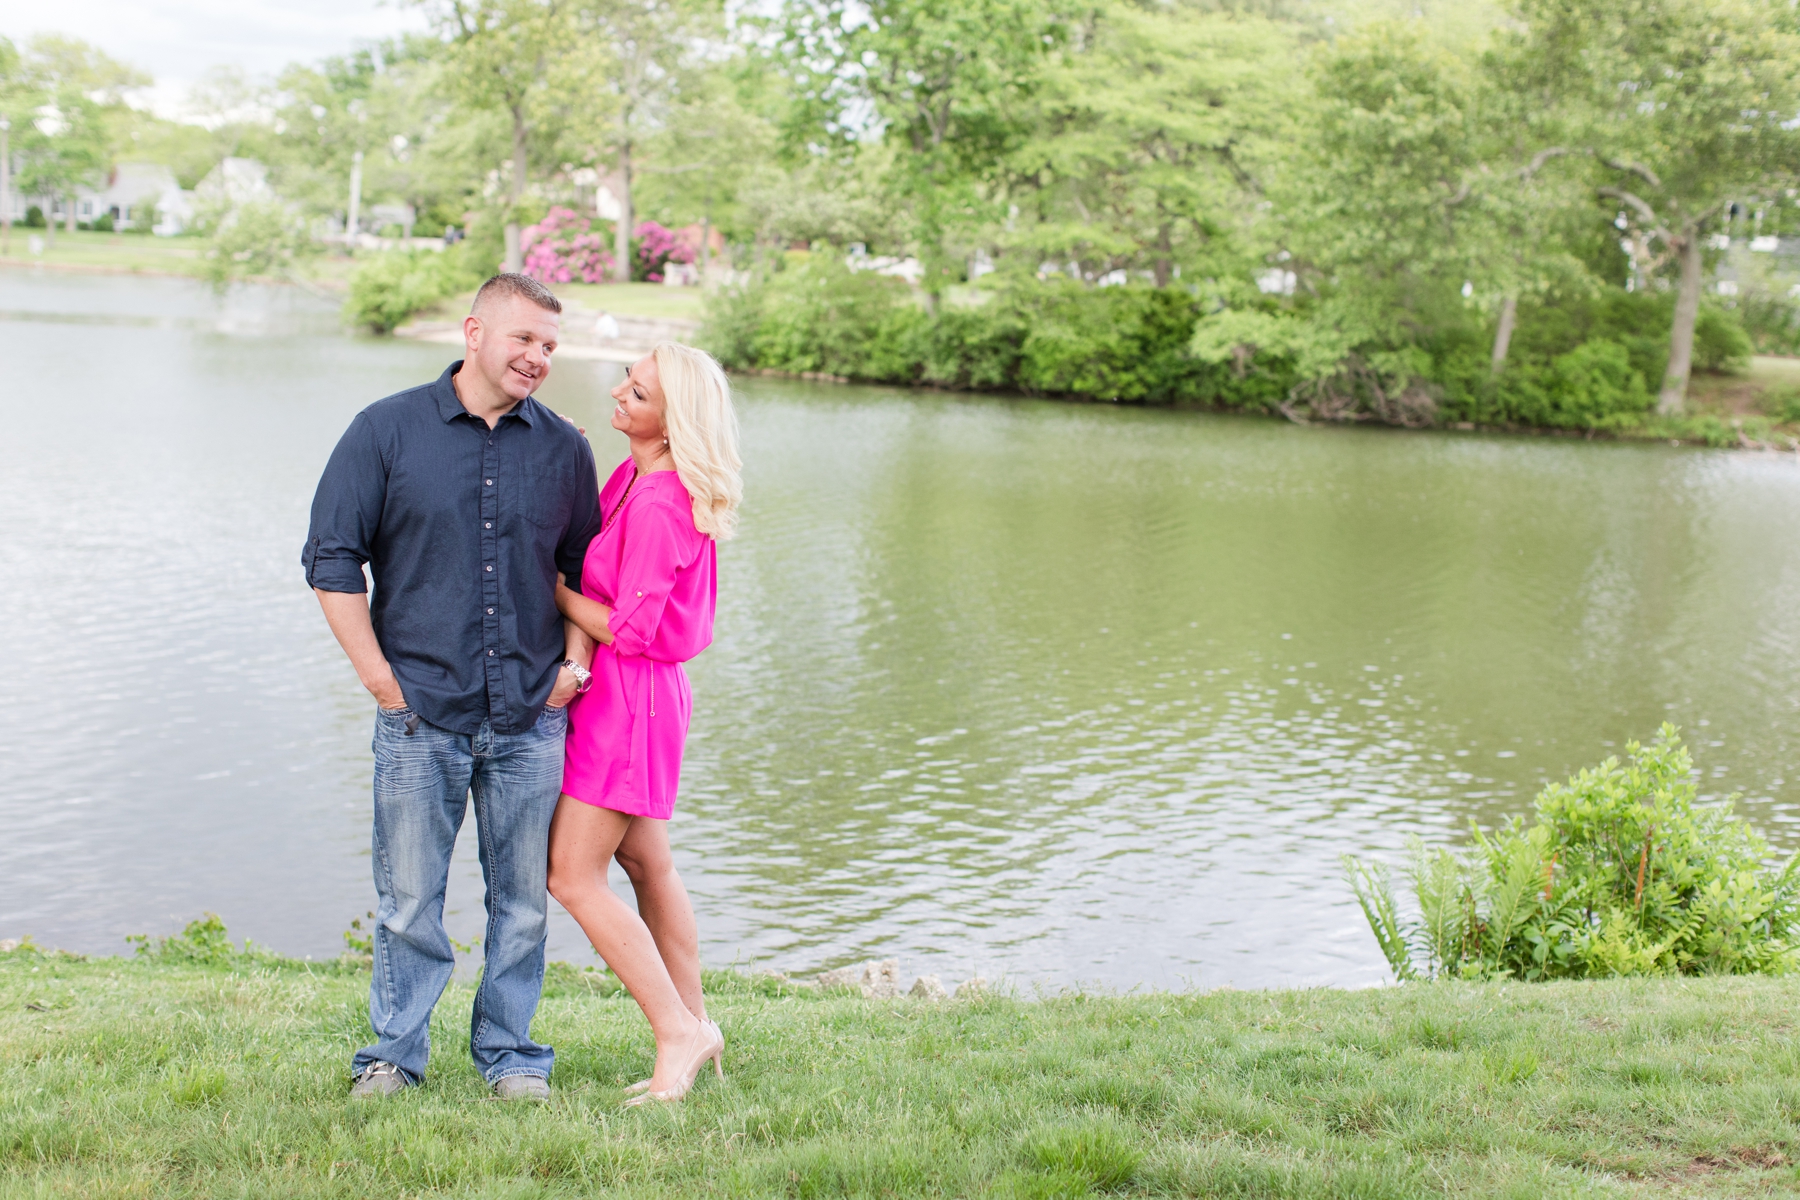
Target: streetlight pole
x: 355, y: 202
x: 5, y: 188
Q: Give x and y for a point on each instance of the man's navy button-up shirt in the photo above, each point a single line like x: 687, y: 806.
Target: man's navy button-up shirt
x: 464, y: 529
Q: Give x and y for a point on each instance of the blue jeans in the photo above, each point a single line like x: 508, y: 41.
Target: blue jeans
x: 423, y: 781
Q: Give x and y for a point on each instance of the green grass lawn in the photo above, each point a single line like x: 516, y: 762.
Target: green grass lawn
x: 635, y: 299
x: 106, y: 251
x: 128, y: 1078
x: 620, y: 299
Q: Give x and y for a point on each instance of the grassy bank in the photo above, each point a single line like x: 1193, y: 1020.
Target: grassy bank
x: 120, y: 253
x: 127, y: 1078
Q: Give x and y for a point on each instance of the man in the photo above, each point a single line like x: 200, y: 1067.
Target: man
x: 465, y: 497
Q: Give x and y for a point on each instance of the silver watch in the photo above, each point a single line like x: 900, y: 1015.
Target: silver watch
x: 584, y: 678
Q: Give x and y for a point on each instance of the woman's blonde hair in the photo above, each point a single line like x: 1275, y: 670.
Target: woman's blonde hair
x: 703, y: 436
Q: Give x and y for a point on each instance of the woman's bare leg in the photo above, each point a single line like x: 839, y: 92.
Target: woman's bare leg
x: 583, y: 839
x: 662, y: 902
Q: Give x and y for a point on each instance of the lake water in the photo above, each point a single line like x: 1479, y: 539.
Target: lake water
x: 1067, y: 694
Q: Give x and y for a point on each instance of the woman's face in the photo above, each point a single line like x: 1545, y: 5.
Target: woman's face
x: 639, y: 413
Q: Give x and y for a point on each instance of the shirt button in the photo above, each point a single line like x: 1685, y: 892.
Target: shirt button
x: 490, y: 612
x: 490, y: 654
x: 487, y: 524
x: 640, y: 595
x: 490, y: 566
x: 489, y: 482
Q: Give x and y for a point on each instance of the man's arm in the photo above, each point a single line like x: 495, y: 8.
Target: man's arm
x: 348, y: 615
x: 578, y: 648
x: 346, y: 512
x: 571, y: 550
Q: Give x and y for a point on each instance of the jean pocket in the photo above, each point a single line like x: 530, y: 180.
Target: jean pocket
x: 554, y: 721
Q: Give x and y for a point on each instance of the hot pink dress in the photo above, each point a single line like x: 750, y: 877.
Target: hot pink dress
x: 659, y: 575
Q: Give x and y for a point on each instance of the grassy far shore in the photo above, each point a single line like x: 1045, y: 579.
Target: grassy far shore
x: 145, y: 1078
x: 129, y: 254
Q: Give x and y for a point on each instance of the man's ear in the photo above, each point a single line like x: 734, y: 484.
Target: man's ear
x: 472, y: 332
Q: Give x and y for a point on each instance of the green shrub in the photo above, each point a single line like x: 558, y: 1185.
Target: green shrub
x: 34, y: 217
x: 1782, y: 403
x: 204, y: 942
x: 1593, y: 386
x: 258, y: 237
x: 1055, y: 338
x: 1620, y: 872
x: 388, y: 288
x: 1720, y: 342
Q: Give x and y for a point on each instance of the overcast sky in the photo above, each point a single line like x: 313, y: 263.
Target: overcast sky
x: 178, y: 41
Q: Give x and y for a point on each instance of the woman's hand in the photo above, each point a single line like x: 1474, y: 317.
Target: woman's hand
x: 589, y: 616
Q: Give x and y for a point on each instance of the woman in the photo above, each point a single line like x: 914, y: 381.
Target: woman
x: 645, y: 607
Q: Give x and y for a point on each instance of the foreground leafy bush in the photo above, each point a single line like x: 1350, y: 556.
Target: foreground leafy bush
x: 1619, y: 873
x: 203, y: 942
x: 390, y: 287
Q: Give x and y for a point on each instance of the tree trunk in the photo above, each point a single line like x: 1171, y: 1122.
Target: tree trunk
x: 622, y: 235
x: 705, y: 243
x: 1509, y: 316
x: 353, y: 213
x: 50, y: 221
x: 1681, y: 335
x: 69, y: 216
x: 515, y: 256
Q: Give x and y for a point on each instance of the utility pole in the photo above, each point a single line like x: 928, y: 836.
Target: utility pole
x: 5, y: 188
x: 355, y: 202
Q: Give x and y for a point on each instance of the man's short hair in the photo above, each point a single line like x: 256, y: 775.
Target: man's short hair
x: 508, y: 284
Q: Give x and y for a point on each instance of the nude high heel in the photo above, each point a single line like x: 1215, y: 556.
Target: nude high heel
x: 643, y: 1085
x: 708, y: 1042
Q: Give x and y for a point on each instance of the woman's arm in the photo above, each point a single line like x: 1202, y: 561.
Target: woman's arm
x: 577, y: 645
x: 587, y: 616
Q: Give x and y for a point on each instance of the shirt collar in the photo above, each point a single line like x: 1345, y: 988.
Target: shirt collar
x: 450, y: 408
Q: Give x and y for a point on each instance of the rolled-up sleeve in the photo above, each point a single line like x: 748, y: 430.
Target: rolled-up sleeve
x: 346, y: 511
x: 584, y: 519
x: 660, y: 544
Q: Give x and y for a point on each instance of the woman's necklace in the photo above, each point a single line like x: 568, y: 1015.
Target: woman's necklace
x: 620, y: 506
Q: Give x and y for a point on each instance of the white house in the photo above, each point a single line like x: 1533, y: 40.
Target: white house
x: 233, y: 182
x: 134, y: 193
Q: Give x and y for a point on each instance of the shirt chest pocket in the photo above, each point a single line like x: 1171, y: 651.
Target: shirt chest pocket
x: 547, y: 498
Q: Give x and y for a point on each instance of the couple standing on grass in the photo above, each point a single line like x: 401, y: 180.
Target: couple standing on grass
x: 524, y: 646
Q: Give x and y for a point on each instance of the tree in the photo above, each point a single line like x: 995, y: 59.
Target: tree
x: 1150, y: 127
x: 501, y: 54
x: 73, y: 89
x: 387, y: 102
x: 641, y: 56
x: 952, y: 82
x: 1677, y: 109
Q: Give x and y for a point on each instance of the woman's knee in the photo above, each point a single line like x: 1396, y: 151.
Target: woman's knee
x: 568, y: 879
x: 641, y: 866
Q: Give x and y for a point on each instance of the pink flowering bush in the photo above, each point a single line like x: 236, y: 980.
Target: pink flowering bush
x: 656, y: 246
x: 563, y: 248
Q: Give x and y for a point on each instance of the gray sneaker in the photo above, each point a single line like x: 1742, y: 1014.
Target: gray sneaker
x: 521, y: 1087
x: 378, y: 1079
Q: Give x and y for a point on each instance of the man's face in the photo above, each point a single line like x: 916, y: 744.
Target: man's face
x: 509, y: 344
